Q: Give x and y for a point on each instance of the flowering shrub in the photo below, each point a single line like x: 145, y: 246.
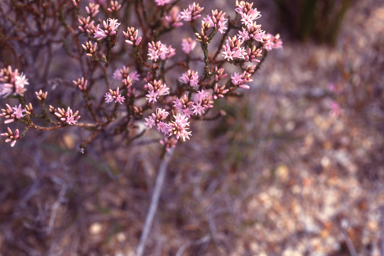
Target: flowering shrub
x: 147, y: 90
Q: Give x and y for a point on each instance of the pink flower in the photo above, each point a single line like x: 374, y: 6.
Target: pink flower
x: 244, y: 35
x: 149, y: 122
x: 240, y: 80
x: 110, y: 29
x: 188, y: 45
x: 183, y: 105
x: 272, y: 42
x: 198, y: 109
x: 233, y: 49
x: 158, y: 50
x: 163, y: 2
x: 190, y: 77
x: 114, y: 96
x: 168, y: 143
x: 250, y: 16
x: 217, y: 20
x: 247, y: 13
x: 67, y: 116
x: 13, y: 113
x: 18, y: 111
x: 131, y: 36
x: 179, y: 128
x: 173, y: 18
x: 157, y: 119
x: 191, y: 13
x: 336, y: 111
x: 163, y: 127
x: 152, y: 96
x: 204, y: 98
x: 99, y: 33
x: 12, y: 82
x: 108, y: 97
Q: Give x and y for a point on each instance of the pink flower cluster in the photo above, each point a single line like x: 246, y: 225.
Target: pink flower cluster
x: 159, y: 50
x: 13, y: 113
x: 155, y: 90
x: 190, y: 77
x: 233, y: 49
x: 191, y: 13
x: 110, y: 29
x: 131, y: 36
x: 114, y: 96
x: 67, y: 116
x: 11, y: 137
x: 12, y: 82
x: 188, y: 44
x: 178, y: 126
x: 217, y: 21
x: 173, y: 18
x: 247, y: 13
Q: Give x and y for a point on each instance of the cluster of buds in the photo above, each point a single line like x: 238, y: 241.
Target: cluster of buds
x: 253, y: 54
x: 66, y: 116
x: 240, y: 79
x: 192, y: 12
x: 219, y: 91
x: 190, y: 77
x: 41, y: 96
x: 247, y: 13
x: 173, y: 18
x: 219, y: 74
x: 12, y: 113
x: 12, y: 82
x: 114, y: 96
x: 29, y: 109
x: 179, y: 127
x: 187, y: 45
x: 155, y: 90
x: 157, y: 120
x: 202, y: 37
x: 252, y: 31
x: 131, y: 36
x: 233, y: 49
x: 86, y: 25
x: 217, y: 21
x: 183, y: 105
x: 75, y: 2
x: 110, y: 29
x: 11, y: 137
x: 90, y: 49
x: 203, y: 100
x: 92, y: 9
x: 159, y: 50
x: 168, y: 143
x: 81, y: 84
x: 115, y: 6
x: 272, y: 42
x: 124, y: 75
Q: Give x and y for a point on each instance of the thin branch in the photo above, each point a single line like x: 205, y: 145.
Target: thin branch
x: 154, y: 202
x: 202, y: 240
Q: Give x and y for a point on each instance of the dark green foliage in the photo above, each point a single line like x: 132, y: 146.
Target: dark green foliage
x: 320, y: 20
